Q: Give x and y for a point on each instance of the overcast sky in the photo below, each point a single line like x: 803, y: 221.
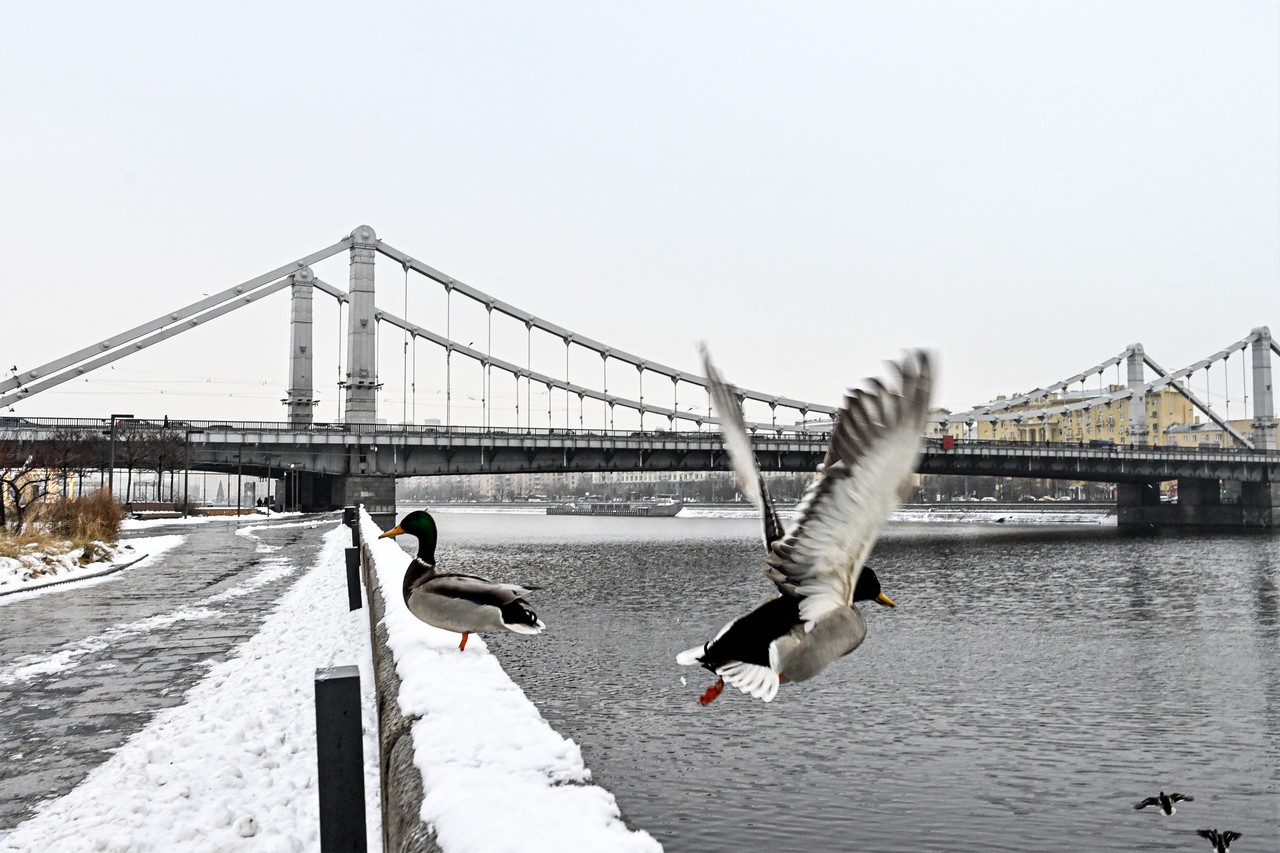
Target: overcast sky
x: 1024, y: 187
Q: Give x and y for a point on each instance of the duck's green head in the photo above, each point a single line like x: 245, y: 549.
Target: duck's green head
x: 868, y: 589
x: 418, y: 523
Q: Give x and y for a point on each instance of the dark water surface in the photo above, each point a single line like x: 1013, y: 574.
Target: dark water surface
x: 1032, y: 685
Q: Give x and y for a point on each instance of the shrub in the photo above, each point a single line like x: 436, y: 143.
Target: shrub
x: 96, y: 517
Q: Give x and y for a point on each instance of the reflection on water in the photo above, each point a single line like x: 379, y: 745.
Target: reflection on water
x: 1030, y: 688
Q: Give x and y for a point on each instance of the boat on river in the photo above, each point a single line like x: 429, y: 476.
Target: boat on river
x: 644, y: 509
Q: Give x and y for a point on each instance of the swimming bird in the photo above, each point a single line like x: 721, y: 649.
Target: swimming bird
x: 1221, y: 841
x: 1165, y: 802
x: 818, y: 567
x: 455, y: 602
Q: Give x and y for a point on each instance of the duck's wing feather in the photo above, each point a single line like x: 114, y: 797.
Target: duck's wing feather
x: 875, y: 444
x: 477, y: 589
x: 1149, y: 801
x: 737, y: 443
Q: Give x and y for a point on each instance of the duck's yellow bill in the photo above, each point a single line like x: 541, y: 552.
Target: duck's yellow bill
x: 395, y: 531
x: 886, y: 600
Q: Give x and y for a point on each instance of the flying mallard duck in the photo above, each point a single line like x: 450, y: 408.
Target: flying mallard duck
x: 1221, y: 841
x: 1164, y: 801
x: 463, y: 603
x: 818, y: 567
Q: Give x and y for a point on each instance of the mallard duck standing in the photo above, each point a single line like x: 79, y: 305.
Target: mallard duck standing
x: 455, y: 602
x: 1164, y: 802
x: 818, y: 566
x: 1221, y: 841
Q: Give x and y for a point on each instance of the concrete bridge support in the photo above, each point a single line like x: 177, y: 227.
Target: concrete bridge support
x: 1199, y: 506
x: 1138, y: 505
x: 1264, y: 412
x: 301, y: 397
x: 1138, y: 402
x: 361, y: 378
x: 376, y: 492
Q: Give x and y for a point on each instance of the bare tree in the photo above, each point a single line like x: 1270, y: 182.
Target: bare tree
x: 24, y: 481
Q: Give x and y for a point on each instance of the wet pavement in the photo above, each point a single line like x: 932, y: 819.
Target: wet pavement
x: 85, y: 666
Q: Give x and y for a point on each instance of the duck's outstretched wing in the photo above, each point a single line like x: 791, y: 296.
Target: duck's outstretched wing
x: 737, y: 442
x: 875, y: 444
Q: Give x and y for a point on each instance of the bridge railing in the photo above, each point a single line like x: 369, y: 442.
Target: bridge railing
x: 1168, y: 450
x: 11, y: 426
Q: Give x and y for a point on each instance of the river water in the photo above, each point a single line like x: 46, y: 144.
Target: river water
x: 1032, y: 685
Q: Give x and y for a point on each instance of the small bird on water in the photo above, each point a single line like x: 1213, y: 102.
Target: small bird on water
x: 818, y: 567
x: 1164, y: 801
x: 455, y: 602
x: 1221, y: 841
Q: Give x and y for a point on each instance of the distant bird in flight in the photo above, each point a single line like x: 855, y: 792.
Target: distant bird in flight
x: 1165, y: 802
x: 818, y: 566
x: 1221, y: 841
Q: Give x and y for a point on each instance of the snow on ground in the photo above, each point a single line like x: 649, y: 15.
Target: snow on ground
x: 41, y: 573
x: 234, y: 768
x: 494, y: 771
x: 143, y: 523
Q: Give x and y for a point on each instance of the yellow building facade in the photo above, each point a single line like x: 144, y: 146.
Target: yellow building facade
x: 1105, y: 421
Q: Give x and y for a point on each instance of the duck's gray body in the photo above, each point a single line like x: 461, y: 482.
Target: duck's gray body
x: 466, y: 603
x: 456, y: 602
x: 803, y: 654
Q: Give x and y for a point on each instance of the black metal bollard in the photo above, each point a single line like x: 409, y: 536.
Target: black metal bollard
x: 351, y: 518
x: 353, y: 579
x: 340, y: 759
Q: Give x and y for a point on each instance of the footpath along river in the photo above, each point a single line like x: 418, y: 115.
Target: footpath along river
x: 84, y: 666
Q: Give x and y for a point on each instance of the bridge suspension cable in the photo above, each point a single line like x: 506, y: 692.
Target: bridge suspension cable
x: 29, y: 382
x: 533, y: 321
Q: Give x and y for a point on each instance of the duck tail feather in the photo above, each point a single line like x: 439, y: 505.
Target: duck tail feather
x: 689, y: 657
x: 519, y: 618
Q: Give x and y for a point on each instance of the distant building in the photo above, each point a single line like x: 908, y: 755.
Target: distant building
x: 1106, y: 420
x: 1206, y: 434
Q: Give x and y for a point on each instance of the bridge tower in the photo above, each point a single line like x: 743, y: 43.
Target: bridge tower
x: 361, y: 379
x: 1264, y: 412
x: 1138, y: 402
x: 301, y: 396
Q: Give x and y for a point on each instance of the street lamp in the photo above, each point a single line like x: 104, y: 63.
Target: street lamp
x: 111, y: 457
x: 291, y: 499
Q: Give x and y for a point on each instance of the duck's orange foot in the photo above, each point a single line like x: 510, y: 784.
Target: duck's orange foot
x: 713, y: 692
x: 463, y: 644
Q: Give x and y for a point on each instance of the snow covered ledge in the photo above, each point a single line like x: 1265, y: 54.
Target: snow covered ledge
x: 479, y: 769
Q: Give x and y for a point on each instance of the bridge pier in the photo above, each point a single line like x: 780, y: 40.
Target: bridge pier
x: 1199, y: 506
x: 301, y: 396
x: 1264, y: 412
x: 376, y: 492
x: 1138, y: 402
x: 362, y: 375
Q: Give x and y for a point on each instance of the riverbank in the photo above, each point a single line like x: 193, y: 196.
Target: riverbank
x: 480, y: 746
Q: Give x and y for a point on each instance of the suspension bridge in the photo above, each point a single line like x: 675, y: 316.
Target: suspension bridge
x: 356, y: 458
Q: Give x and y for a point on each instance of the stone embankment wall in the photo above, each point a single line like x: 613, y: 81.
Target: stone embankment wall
x: 402, y: 829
